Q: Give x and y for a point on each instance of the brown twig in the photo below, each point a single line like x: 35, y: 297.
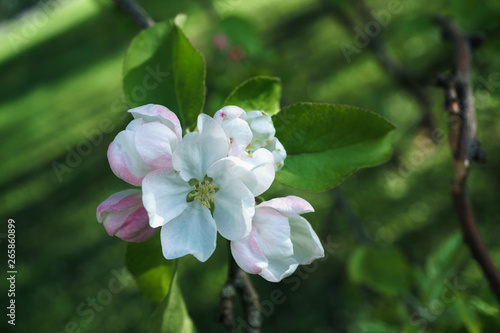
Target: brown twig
x: 136, y: 13
x: 465, y: 146
x: 239, y: 282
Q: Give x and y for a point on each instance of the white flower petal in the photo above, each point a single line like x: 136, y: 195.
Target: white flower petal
x: 278, y: 269
x: 306, y: 244
x: 273, y: 233
x: 192, y: 232
x: 260, y: 166
x: 198, y: 151
x: 154, y: 112
x: 247, y: 254
x: 278, y: 151
x: 234, y: 208
x: 239, y: 134
x: 125, y: 161
x: 134, y: 125
x: 164, y: 196
x: 155, y: 143
x: 262, y: 129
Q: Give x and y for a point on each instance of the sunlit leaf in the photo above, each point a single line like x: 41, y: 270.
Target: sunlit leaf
x: 152, y: 272
x: 258, y: 93
x: 162, y: 67
x: 326, y: 143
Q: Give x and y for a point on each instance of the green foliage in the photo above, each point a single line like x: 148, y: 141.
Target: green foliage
x: 152, y: 272
x: 382, y: 269
x: 162, y: 67
x: 171, y: 315
x: 442, y: 264
x: 41, y: 79
x: 326, y: 143
x: 258, y: 93
x: 468, y: 316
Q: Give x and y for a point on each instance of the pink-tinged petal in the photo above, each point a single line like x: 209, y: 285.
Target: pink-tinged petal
x: 136, y: 227
x: 164, y: 196
x: 125, y: 161
x: 155, y: 143
x: 229, y: 112
x: 239, y: 135
x: 306, y: 244
x: 198, y: 151
x: 234, y: 208
x: 119, y: 201
x: 278, y: 269
x: 154, y: 112
x: 247, y: 254
x: 289, y: 206
x: 192, y: 232
x: 273, y: 233
x: 123, y: 215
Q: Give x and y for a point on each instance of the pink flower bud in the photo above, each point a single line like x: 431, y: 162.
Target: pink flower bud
x: 124, y: 216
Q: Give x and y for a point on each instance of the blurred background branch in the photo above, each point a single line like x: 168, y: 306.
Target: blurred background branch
x: 465, y: 146
x: 136, y: 13
x: 400, y: 73
x: 239, y: 283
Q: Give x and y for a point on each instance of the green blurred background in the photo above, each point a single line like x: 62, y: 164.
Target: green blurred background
x: 395, y: 261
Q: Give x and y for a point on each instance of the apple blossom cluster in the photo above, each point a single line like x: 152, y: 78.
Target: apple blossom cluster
x: 205, y: 183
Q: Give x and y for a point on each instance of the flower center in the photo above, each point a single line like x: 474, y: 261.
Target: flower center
x: 202, y: 192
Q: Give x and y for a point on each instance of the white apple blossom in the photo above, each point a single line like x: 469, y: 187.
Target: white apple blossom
x: 279, y: 241
x: 207, y: 191
x: 262, y: 133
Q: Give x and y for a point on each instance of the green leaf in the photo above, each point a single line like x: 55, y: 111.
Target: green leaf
x: 446, y: 258
x: 484, y: 308
x: 382, y: 269
x: 152, y: 272
x: 162, y: 67
x: 171, y: 315
x: 258, y: 93
x: 326, y: 143
x: 468, y: 316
